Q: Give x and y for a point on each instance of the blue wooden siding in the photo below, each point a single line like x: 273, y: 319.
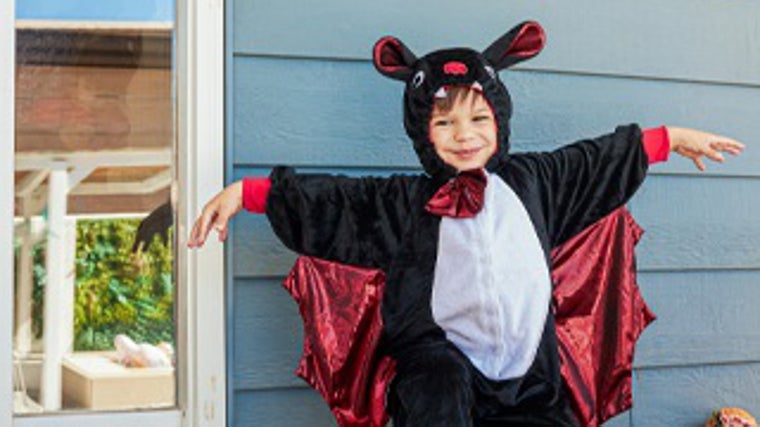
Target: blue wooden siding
x: 301, y: 91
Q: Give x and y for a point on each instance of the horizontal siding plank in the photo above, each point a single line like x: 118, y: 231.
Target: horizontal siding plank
x: 317, y: 112
x: 100, y: 117
x: 693, y: 327
x: 281, y: 408
x: 325, y: 113
x: 79, y: 82
x: 698, y: 222
x: 721, y: 229
x: 257, y: 251
x: 268, y: 334
x: 83, y: 140
x: 687, y: 396
x: 622, y: 420
x: 703, y: 318
x: 662, y: 397
x: 639, y: 38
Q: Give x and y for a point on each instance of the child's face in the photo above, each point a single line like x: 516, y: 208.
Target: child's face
x: 464, y: 136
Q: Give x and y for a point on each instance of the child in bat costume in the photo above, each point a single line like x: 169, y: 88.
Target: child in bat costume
x: 466, y: 308
x: 468, y: 334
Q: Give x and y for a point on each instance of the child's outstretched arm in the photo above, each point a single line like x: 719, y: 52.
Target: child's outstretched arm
x: 351, y: 220
x: 217, y: 213
x: 358, y: 221
x: 696, y: 144
x: 584, y: 181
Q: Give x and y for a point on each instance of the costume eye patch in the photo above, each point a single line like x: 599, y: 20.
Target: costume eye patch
x: 418, y: 79
x: 490, y: 71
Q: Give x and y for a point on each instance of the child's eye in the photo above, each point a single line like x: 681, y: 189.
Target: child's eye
x: 482, y: 118
x: 441, y: 122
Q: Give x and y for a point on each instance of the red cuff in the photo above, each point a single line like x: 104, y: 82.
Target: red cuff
x: 255, y: 192
x: 656, y: 144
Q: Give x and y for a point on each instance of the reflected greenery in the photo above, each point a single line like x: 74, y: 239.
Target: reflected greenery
x: 117, y: 291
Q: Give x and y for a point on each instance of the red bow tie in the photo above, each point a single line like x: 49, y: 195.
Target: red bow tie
x: 461, y: 197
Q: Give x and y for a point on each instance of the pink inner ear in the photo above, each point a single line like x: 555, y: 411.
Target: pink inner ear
x: 529, y: 42
x: 388, y: 55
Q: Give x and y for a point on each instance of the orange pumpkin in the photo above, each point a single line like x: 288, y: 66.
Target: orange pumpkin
x: 731, y: 417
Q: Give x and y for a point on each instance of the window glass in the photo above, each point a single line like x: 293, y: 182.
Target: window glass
x: 94, y: 267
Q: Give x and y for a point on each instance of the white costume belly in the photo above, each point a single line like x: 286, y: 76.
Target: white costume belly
x: 492, y: 288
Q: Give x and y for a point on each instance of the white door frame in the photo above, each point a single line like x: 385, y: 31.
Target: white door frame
x: 200, y: 164
x: 7, y: 82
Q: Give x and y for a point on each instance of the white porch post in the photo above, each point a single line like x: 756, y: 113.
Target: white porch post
x: 66, y: 325
x: 25, y: 192
x: 54, y: 335
x: 24, y: 291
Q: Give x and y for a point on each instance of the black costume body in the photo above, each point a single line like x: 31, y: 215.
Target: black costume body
x: 382, y: 223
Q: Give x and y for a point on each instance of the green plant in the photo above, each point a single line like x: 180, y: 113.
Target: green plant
x: 116, y: 291
x: 120, y: 292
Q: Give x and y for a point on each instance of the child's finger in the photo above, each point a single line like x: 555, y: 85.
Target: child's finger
x: 700, y: 164
x: 736, y: 144
x: 206, y: 220
x: 714, y: 155
x: 730, y: 150
x: 192, y: 236
x: 220, y: 225
x: 730, y: 146
x: 195, y: 234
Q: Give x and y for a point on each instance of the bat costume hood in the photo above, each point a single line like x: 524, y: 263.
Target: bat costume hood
x: 427, y: 78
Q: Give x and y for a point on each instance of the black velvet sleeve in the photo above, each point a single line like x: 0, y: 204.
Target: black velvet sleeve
x: 582, y: 182
x: 355, y: 221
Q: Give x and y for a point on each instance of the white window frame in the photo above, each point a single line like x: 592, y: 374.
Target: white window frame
x: 201, y: 373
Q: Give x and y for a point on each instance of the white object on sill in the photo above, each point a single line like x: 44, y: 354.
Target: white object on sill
x: 131, y: 354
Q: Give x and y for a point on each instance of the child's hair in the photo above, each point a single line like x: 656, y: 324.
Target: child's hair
x: 454, y: 94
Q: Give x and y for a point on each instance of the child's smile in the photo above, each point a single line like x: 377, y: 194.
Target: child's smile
x: 463, y: 132
x: 467, y: 154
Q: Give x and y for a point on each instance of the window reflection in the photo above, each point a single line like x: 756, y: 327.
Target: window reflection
x: 95, y: 296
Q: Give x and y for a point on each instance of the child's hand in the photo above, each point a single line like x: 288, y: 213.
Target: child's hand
x: 217, y: 211
x: 694, y: 144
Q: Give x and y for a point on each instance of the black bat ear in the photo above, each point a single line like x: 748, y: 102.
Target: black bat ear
x: 393, y: 59
x: 522, y: 42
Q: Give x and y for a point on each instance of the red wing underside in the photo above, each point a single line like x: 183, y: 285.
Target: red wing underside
x: 600, y: 315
